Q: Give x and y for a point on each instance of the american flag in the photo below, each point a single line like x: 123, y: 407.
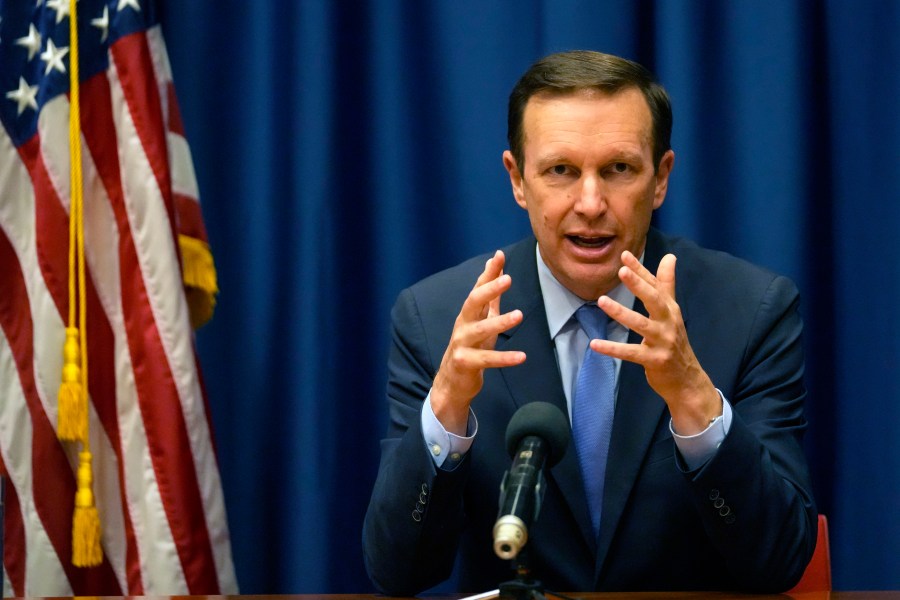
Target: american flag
x: 156, y: 478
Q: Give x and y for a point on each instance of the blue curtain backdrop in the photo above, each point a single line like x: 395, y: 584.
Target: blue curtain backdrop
x: 346, y: 149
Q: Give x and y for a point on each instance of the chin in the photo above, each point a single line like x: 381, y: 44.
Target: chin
x: 593, y: 284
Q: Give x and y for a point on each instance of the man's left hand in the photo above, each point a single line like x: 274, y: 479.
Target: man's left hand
x: 672, y: 369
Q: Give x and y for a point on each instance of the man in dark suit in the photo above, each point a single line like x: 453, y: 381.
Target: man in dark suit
x: 705, y: 485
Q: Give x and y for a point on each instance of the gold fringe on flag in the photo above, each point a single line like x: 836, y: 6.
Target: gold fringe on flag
x: 72, y: 420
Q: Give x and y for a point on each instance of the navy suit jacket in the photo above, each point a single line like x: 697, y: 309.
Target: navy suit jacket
x: 744, y: 521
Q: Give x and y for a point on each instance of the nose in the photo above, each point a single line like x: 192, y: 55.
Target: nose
x: 591, y: 201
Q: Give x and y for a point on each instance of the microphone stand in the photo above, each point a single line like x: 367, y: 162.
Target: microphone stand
x: 523, y: 587
x: 537, y: 436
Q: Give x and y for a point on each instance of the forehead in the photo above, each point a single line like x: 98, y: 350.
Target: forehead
x: 588, y: 114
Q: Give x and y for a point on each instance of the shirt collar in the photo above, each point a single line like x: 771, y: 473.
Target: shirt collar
x: 561, y: 304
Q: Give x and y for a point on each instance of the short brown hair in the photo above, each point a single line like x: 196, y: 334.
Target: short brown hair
x: 567, y: 72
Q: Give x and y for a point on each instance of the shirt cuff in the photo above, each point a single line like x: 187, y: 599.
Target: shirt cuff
x: 446, y: 449
x: 698, y: 448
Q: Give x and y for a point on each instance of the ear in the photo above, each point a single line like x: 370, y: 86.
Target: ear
x: 662, y: 178
x: 515, y: 178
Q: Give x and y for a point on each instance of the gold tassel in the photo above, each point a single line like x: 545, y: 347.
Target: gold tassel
x: 199, y: 277
x: 72, y: 422
x: 72, y: 418
x: 86, y: 551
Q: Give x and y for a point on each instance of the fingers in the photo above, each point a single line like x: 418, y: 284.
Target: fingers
x: 656, y: 292
x: 493, y: 268
x: 665, y: 274
x: 473, y: 359
x: 662, y: 327
x: 635, y: 353
x: 471, y: 347
x: 669, y: 362
x: 484, y: 300
x: 480, y: 321
x: 496, y: 265
x: 631, y: 319
x: 482, y: 332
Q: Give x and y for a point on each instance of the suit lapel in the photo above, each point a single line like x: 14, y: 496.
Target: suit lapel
x: 638, y: 411
x: 538, y: 379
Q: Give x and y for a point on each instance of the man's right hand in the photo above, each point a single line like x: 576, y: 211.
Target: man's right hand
x: 471, y: 348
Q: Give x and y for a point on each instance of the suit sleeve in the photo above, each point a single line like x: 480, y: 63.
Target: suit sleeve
x: 412, y: 525
x: 754, y: 496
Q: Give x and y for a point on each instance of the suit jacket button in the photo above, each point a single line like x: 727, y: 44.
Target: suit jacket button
x: 719, y: 502
x: 730, y: 519
x: 713, y: 494
x: 417, y: 516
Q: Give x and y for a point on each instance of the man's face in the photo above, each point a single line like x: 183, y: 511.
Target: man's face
x: 589, y: 183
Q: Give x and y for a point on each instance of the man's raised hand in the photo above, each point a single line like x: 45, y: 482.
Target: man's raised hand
x: 669, y: 362
x: 471, y: 347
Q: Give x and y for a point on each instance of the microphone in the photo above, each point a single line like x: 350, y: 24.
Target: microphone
x: 537, y: 435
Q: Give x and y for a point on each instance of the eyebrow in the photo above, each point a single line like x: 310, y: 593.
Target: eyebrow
x: 618, y: 156
x: 551, y: 159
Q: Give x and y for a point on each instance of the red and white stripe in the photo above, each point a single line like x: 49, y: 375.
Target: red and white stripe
x: 156, y: 478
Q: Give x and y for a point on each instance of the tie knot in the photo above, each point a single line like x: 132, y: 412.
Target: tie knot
x: 592, y: 320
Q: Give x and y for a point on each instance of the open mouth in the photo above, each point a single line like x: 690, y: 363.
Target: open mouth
x: 590, y: 242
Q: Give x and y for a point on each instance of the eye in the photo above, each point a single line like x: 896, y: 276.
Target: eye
x: 559, y: 169
x: 620, y: 169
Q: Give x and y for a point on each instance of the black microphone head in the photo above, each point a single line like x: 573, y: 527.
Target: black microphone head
x: 543, y: 420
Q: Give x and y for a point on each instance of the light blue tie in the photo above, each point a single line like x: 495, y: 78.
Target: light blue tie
x: 592, y: 410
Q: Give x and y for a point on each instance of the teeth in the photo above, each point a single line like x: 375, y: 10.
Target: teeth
x: 590, y: 241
